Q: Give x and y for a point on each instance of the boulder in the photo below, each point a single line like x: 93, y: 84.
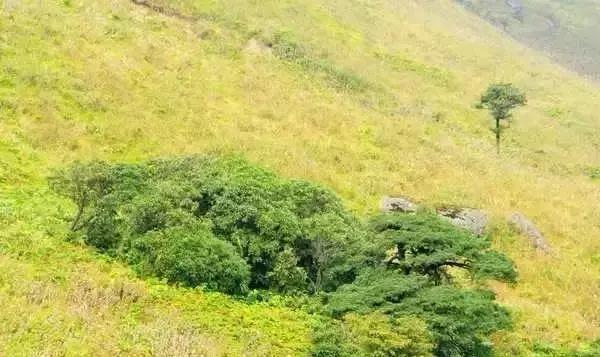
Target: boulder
x: 526, y: 227
x: 473, y: 220
x: 398, y: 204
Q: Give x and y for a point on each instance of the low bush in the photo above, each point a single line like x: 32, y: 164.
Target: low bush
x: 191, y: 256
x: 378, y: 335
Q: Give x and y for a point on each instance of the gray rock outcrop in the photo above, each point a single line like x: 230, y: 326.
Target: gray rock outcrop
x: 398, y: 204
x: 473, y: 220
x: 526, y: 227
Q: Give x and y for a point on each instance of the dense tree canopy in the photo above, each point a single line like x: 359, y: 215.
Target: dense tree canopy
x: 427, y: 245
x: 415, y: 279
x: 387, y: 287
x: 501, y: 99
x: 162, y: 215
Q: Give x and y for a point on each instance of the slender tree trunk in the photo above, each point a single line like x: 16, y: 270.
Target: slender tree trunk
x: 80, y: 208
x: 498, y: 136
x: 75, y: 223
x: 318, y: 280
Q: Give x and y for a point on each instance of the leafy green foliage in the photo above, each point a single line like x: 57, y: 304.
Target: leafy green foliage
x: 84, y: 184
x: 230, y: 226
x: 415, y: 279
x: 191, y: 256
x: 373, y: 334
x: 501, y: 99
x: 460, y: 319
x: 330, y: 340
x: 287, y: 276
x: 377, y: 335
x: 207, y: 221
x: 375, y: 288
x: 427, y: 245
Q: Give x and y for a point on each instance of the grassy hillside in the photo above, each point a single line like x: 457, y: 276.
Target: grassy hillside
x: 367, y: 97
x: 565, y: 30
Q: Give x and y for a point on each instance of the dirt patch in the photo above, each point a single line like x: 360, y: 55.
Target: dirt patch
x: 257, y: 47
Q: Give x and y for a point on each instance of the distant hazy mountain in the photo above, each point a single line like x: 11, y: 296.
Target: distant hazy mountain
x: 566, y: 30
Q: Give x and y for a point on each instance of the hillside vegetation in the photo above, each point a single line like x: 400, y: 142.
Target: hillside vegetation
x: 365, y: 97
x: 225, y: 225
x: 564, y: 30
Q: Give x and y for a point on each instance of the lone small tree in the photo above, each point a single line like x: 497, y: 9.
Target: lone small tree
x: 500, y: 99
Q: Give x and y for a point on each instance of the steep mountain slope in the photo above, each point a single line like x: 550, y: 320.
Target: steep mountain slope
x: 367, y: 97
x: 564, y: 30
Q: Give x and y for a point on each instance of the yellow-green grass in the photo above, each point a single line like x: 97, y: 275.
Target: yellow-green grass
x: 114, y: 80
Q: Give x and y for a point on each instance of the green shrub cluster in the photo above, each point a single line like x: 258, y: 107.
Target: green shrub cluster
x: 593, y: 173
x: 386, y: 288
x: 372, y: 334
x: 221, y: 223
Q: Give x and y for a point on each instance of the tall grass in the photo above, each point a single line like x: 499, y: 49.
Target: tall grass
x: 112, y: 80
